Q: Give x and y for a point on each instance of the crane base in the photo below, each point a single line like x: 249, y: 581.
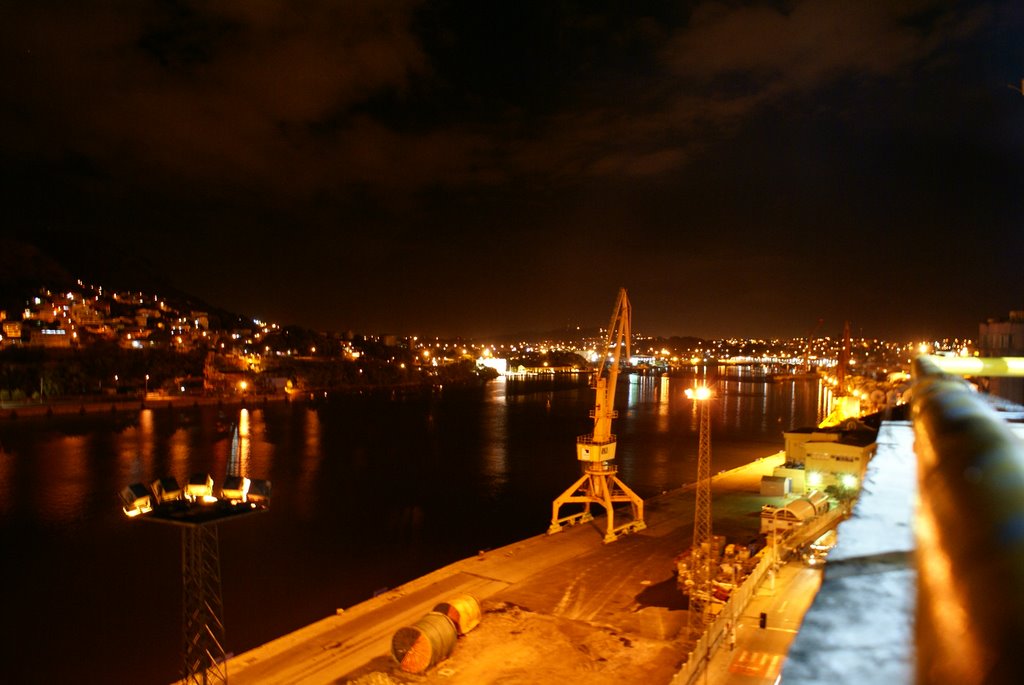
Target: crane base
x: 631, y: 527
x: 599, y: 485
x: 581, y: 517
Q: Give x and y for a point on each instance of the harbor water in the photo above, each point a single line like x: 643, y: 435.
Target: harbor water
x: 369, y: 491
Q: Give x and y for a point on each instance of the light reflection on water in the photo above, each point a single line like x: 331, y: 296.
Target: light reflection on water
x: 63, y: 497
x: 309, y: 465
x: 657, y: 427
x: 368, y: 492
x: 244, y: 448
x: 495, y: 450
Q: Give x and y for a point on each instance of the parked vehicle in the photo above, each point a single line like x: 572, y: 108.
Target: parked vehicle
x: 817, y: 551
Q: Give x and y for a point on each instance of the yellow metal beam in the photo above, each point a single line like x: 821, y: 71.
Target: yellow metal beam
x: 980, y: 366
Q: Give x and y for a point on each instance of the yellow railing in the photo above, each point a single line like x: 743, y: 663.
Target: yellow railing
x: 969, y: 525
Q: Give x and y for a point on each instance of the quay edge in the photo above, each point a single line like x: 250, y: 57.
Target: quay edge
x: 553, y: 606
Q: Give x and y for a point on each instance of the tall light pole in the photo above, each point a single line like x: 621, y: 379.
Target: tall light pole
x: 197, y: 511
x: 775, y: 536
x: 700, y: 560
x: 775, y: 547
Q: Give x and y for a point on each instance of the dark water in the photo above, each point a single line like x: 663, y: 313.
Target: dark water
x: 368, y: 493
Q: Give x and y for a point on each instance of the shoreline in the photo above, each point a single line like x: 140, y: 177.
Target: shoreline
x: 12, y: 411
x: 115, y: 404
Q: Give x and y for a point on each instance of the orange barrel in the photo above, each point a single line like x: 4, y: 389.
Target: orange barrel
x: 426, y: 643
x: 463, y: 610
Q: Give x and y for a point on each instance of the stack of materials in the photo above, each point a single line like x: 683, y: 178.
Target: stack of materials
x: 431, y: 640
x: 463, y: 610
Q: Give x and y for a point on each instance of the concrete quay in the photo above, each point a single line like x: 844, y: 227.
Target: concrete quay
x: 556, y: 608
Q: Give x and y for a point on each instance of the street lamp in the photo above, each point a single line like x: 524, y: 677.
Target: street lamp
x: 775, y: 536
x: 147, y: 383
x: 775, y: 546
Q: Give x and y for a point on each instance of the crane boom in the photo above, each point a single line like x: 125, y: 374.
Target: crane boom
x: 608, y: 373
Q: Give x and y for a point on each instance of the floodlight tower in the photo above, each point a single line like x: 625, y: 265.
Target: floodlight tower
x: 600, y: 483
x: 701, y: 553
x: 197, y: 511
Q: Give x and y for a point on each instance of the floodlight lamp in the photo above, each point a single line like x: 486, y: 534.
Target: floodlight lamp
x: 167, y: 489
x: 259, y: 491
x: 136, y: 500
x: 200, y: 486
x: 699, y: 393
x: 848, y: 480
x: 235, y: 488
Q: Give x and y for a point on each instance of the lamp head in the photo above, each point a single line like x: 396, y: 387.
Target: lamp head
x: 699, y: 393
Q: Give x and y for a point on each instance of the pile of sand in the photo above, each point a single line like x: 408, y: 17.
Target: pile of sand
x: 515, y: 645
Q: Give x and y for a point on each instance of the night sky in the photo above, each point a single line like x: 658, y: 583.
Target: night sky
x: 477, y: 168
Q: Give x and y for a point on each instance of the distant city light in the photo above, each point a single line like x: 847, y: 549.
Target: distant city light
x: 499, y: 365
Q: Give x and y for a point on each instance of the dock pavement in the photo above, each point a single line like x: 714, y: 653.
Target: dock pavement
x: 556, y: 608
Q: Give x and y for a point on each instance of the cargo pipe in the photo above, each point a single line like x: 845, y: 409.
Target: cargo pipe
x: 970, y: 534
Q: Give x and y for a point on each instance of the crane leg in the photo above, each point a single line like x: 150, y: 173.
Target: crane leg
x: 621, y: 493
x: 567, y: 497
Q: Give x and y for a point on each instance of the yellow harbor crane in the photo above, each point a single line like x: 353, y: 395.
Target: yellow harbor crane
x: 599, y: 483
x: 847, y: 405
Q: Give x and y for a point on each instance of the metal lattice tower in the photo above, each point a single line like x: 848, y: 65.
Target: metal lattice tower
x: 203, y: 617
x: 701, y: 552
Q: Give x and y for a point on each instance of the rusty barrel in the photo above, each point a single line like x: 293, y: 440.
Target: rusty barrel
x: 424, y: 644
x: 463, y: 610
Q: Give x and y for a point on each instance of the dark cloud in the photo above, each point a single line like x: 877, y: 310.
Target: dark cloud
x: 801, y: 45
x: 203, y: 93
x: 468, y: 167
x: 283, y: 96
